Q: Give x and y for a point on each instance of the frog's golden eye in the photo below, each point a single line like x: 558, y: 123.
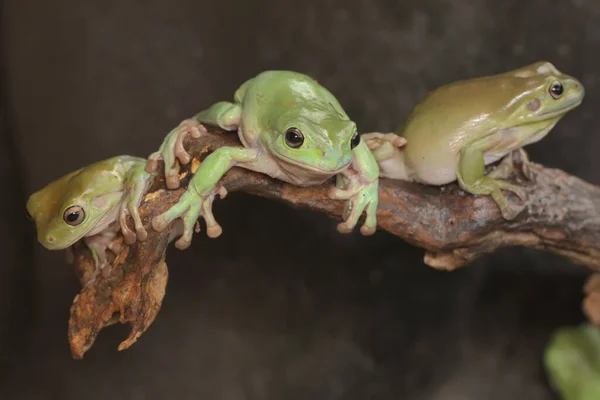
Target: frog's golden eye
x: 294, y: 138
x: 556, y: 90
x: 355, y: 141
x: 74, y: 215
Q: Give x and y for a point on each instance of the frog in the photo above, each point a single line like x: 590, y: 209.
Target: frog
x: 572, y: 362
x: 91, y: 204
x: 292, y: 129
x: 460, y: 128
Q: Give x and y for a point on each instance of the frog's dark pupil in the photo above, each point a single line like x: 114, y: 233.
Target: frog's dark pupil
x: 355, y: 140
x: 72, y: 217
x: 557, y: 89
x: 294, y: 137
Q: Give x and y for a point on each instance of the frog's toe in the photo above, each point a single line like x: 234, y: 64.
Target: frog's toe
x: 214, y: 231
x: 141, y: 233
x: 183, y: 242
x: 105, y: 269
x: 518, y: 191
x: 152, y: 162
x: 160, y: 223
x: 115, y: 247
x: 367, y: 230
x: 344, y: 228
x: 370, y: 225
x: 511, y: 211
x: 129, y: 236
x: 172, y: 181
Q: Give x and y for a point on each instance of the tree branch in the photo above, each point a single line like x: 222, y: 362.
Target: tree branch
x: 455, y: 228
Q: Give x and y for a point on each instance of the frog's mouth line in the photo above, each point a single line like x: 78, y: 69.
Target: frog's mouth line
x: 312, y: 168
x: 563, y: 110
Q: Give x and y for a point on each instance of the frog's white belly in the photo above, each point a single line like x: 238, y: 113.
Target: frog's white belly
x: 435, y: 176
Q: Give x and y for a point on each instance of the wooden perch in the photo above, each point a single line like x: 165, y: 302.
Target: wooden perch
x: 455, y: 228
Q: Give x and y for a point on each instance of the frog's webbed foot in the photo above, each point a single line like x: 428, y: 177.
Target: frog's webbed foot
x: 472, y: 178
x: 136, y: 187
x: 360, y: 196
x: 189, y: 208
x: 508, y: 209
x: 172, y: 149
x: 515, y: 162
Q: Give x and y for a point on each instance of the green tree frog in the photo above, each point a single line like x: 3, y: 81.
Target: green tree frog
x: 92, y: 204
x: 572, y: 362
x: 461, y: 127
x: 291, y: 128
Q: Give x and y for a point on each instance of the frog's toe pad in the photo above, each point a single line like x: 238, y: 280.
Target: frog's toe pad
x: 182, y: 243
x: 511, y: 212
x: 214, y: 231
x: 129, y: 237
x: 344, y: 228
x: 159, y: 223
x: 141, y: 234
x: 172, y: 182
x: 151, y: 165
x: 367, y: 230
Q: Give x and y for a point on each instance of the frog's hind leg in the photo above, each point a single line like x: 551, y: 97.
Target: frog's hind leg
x: 223, y: 114
x: 472, y: 178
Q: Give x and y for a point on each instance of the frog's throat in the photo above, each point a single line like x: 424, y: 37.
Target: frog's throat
x: 311, y: 168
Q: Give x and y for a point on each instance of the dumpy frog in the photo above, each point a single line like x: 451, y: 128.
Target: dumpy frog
x: 92, y: 204
x: 291, y: 128
x: 461, y: 127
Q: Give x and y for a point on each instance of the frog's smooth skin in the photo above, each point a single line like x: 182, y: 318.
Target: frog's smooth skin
x: 92, y: 204
x: 572, y: 362
x: 460, y: 128
x: 292, y: 129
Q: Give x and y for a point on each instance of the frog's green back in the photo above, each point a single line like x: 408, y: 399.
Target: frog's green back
x: 458, y: 113
x: 272, y: 92
x: 47, y: 204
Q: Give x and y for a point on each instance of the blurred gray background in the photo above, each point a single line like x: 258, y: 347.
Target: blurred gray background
x: 280, y: 306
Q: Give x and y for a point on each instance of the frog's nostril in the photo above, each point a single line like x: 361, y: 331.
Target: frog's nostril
x: 50, y: 239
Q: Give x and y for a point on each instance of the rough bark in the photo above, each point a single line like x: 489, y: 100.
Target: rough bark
x: 562, y: 216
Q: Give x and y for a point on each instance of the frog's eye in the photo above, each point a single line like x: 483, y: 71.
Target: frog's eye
x: 294, y: 138
x: 355, y: 141
x: 556, y: 90
x: 74, y: 215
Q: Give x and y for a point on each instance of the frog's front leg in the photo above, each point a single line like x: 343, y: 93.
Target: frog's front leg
x: 223, y: 114
x: 98, y: 245
x: 471, y: 177
x: 172, y: 149
x: 359, y: 186
x: 136, y: 186
x: 202, y: 189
